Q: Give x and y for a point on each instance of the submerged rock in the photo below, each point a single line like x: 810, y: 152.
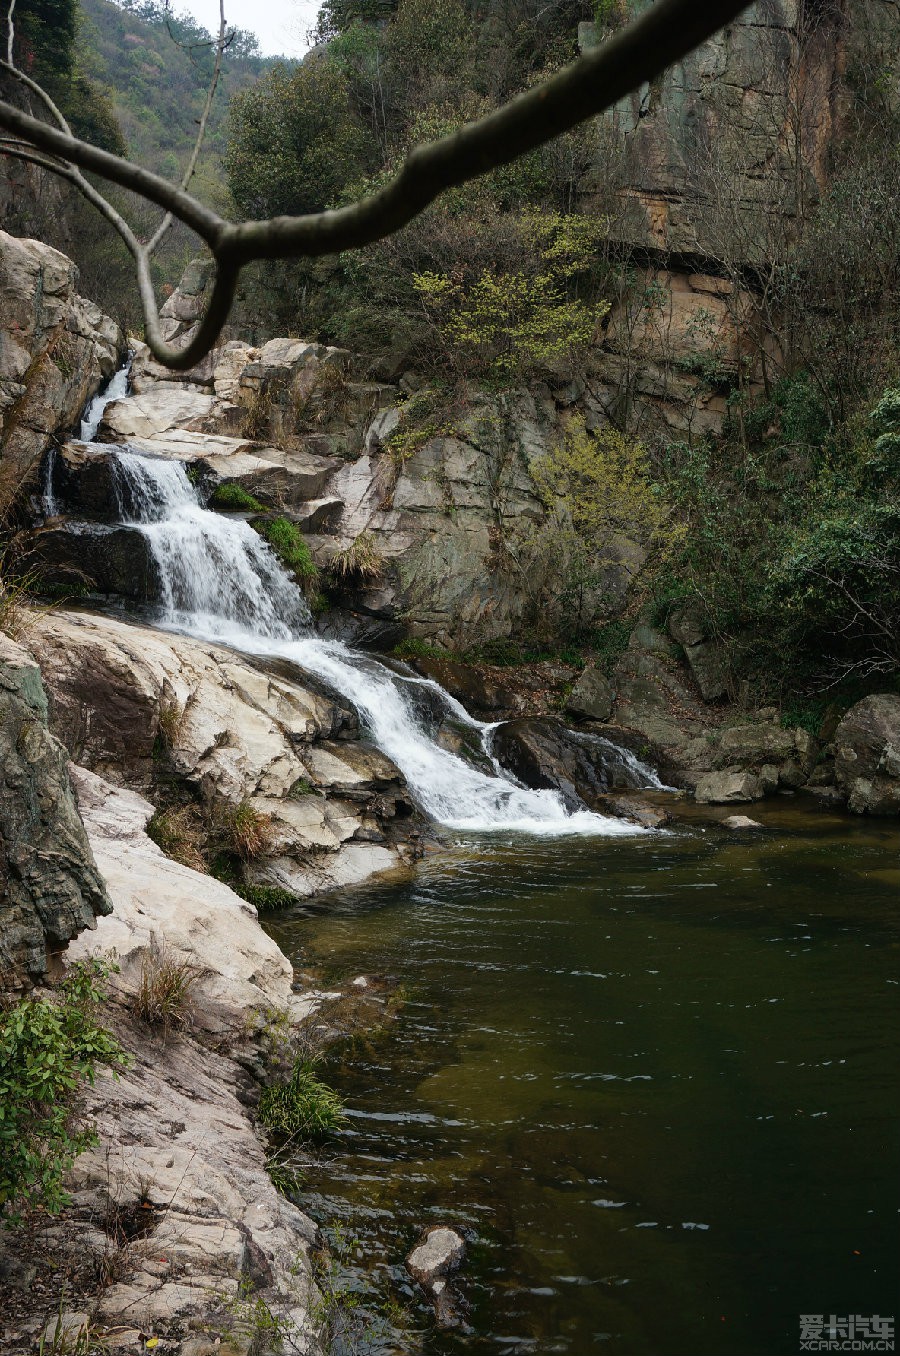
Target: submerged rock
x: 741, y: 822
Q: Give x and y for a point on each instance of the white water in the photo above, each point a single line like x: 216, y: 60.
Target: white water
x: 219, y: 581
x: 115, y: 389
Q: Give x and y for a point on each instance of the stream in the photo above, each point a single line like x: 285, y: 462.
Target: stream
x: 655, y: 1081
x: 652, y: 1076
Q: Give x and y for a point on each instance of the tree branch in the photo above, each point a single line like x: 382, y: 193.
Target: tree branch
x: 663, y: 35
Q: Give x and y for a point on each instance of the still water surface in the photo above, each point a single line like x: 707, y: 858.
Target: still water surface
x: 656, y: 1079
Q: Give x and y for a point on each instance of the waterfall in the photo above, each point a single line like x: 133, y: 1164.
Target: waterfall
x: 115, y: 389
x: 220, y: 581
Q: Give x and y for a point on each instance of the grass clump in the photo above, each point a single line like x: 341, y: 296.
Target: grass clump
x: 301, y: 1106
x: 175, y: 831
x: 268, y: 898
x: 288, y: 543
x: 360, y: 560
x: 49, y: 1048
x: 16, y: 615
x: 233, y: 498
x: 163, y: 999
x: 413, y: 648
x: 246, y: 831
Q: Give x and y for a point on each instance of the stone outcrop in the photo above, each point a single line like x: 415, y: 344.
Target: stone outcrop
x: 50, y: 887
x: 867, y: 755
x: 160, y: 903
x: 55, y: 350
x: 174, y: 1220
x: 128, y: 701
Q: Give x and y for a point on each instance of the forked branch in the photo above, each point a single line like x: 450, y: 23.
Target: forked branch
x: 663, y: 35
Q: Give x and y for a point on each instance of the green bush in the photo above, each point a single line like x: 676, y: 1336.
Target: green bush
x: 49, y: 1047
x: 288, y: 543
x: 233, y: 498
x: 302, y: 1106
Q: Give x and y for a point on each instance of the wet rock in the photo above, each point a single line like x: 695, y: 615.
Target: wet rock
x: 84, y: 483
x: 867, y: 755
x: 638, y: 811
x: 592, y: 697
x: 731, y: 784
x: 741, y: 822
x: 542, y: 753
x: 470, y: 687
x: 91, y: 557
x: 437, y: 1255
x: 124, y: 697
x: 50, y: 887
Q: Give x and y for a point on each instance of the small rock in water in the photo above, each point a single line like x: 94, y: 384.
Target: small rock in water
x: 437, y: 1255
x: 741, y: 822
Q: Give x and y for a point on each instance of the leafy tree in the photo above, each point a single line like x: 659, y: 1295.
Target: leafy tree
x: 294, y: 141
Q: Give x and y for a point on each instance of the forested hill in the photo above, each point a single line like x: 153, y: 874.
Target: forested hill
x: 155, y: 68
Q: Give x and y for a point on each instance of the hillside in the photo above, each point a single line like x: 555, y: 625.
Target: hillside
x: 156, y: 72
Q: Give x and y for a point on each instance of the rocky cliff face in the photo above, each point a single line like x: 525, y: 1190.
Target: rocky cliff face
x: 750, y: 116
x: 55, y: 350
x: 50, y: 888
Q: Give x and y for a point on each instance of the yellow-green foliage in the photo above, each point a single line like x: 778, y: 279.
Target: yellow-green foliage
x: 504, y: 323
x: 602, y: 483
x: 605, y: 517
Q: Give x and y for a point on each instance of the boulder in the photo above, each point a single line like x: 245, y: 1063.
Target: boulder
x: 91, y: 557
x: 542, y: 753
x: 159, y: 901
x: 165, y: 405
x: 867, y: 755
x: 56, y: 349
x: 50, y: 887
x: 84, y: 483
x: 592, y: 697
x: 729, y: 785
x: 707, y: 664
x: 437, y: 1255
x: 740, y: 822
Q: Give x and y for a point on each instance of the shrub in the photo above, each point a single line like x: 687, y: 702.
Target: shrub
x: 163, y: 999
x: 301, y: 1106
x: 288, y: 543
x: 50, y: 1046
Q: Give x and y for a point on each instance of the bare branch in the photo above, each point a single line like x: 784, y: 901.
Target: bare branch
x: 10, y: 31
x: 664, y: 34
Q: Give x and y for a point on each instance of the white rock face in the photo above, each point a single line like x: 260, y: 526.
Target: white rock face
x: 234, y: 732
x: 157, y: 900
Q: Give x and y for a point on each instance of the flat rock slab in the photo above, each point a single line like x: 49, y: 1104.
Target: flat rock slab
x: 741, y: 822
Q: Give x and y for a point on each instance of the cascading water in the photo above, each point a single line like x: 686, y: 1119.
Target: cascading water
x: 115, y: 389
x: 219, y: 581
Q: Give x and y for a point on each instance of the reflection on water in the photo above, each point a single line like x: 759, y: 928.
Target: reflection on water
x: 655, y: 1079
